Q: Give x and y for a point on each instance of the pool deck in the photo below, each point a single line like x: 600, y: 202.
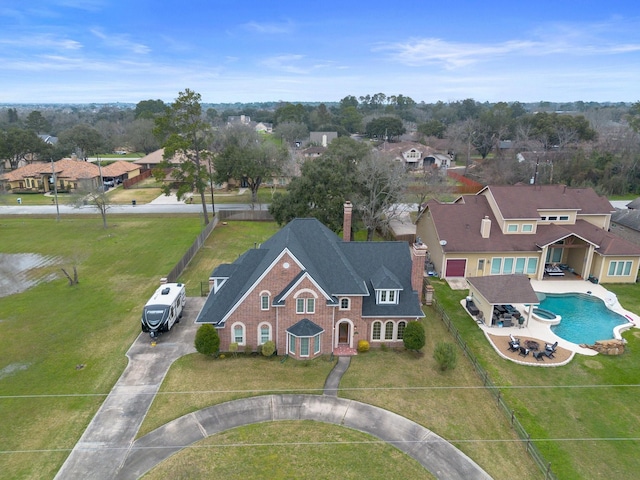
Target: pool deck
x: 541, y: 332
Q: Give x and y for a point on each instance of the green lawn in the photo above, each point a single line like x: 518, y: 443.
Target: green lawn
x: 584, y: 415
x: 51, y: 330
x: 300, y: 450
x: 67, y: 341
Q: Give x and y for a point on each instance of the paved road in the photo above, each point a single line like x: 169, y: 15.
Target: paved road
x: 105, y: 443
x: 118, y: 209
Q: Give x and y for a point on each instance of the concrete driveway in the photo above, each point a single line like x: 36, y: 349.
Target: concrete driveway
x: 105, y: 443
x: 108, y: 449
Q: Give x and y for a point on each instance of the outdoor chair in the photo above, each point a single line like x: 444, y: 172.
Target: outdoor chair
x: 539, y: 356
x: 548, y: 354
x: 523, y: 352
x: 551, y: 348
x: 514, y: 346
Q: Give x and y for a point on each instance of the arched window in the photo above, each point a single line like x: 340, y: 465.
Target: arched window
x: 388, y: 330
x: 401, y: 326
x: 375, y: 331
x: 264, y: 333
x: 264, y: 301
x: 237, y: 334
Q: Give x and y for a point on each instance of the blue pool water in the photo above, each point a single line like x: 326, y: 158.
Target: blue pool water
x: 585, y: 318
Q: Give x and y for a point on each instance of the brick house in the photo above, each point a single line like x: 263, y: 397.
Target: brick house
x: 313, y: 293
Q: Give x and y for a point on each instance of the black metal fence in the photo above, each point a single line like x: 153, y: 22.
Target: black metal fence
x: 530, y: 447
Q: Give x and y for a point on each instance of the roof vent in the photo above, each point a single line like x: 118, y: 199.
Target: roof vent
x: 165, y: 291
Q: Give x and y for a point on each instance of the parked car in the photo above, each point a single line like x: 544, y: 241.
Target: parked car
x: 108, y: 183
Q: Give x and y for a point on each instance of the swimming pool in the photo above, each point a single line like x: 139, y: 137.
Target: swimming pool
x: 585, y: 318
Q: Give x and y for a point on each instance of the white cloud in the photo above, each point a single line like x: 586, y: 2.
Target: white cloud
x: 285, y: 63
x: 269, y: 28
x: 121, y: 41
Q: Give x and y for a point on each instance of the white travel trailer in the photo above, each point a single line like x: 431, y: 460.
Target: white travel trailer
x: 163, y: 309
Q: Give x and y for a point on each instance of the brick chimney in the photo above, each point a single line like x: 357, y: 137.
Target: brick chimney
x: 346, y: 222
x: 485, y: 227
x: 418, y: 256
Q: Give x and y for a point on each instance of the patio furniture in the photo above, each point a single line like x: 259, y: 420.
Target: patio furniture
x: 523, y: 352
x: 506, y: 321
x: 548, y: 354
x: 553, y: 270
x: 539, y: 356
x: 551, y: 347
x: 472, y: 308
x: 514, y: 347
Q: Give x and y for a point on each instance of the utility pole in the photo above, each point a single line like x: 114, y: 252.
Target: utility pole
x: 55, y: 190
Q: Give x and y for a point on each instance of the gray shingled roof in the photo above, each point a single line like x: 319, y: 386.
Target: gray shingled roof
x: 627, y: 218
x: 305, y: 328
x: 339, y: 268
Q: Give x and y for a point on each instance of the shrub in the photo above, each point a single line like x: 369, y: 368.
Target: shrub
x: 363, y: 346
x: 446, y: 355
x: 268, y: 348
x: 248, y: 349
x: 207, y: 341
x: 233, y: 348
x: 414, y: 337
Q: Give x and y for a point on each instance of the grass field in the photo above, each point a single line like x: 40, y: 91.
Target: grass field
x: 303, y: 450
x: 63, y: 347
x: 584, y: 415
x: 67, y: 348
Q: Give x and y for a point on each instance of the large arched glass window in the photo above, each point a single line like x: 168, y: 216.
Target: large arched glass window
x: 388, y: 331
x: 376, y: 330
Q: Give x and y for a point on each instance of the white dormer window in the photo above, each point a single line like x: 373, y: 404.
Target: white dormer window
x: 388, y: 297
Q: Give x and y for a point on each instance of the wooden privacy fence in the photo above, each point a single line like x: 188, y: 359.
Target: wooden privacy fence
x: 193, y: 249
x: 467, y: 185
x: 130, y: 182
x: 530, y: 448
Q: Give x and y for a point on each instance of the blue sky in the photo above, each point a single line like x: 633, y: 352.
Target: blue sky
x: 99, y: 51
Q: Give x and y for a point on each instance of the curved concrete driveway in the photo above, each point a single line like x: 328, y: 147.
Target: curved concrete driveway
x: 105, y: 443
x: 437, y: 455
x: 107, y: 449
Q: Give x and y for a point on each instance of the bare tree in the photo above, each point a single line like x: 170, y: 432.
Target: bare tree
x: 382, y: 182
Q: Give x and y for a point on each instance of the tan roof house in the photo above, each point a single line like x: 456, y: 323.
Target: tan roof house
x: 542, y: 231
x: 70, y: 174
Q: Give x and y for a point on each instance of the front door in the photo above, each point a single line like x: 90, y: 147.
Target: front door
x: 343, y: 332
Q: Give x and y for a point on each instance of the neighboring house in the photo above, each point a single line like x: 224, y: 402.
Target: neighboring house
x: 438, y: 160
x: 322, y: 139
x: 120, y: 171
x: 626, y: 224
x: 264, y: 127
x: 634, y: 205
x: 313, y: 152
x: 314, y: 294
x: 542, y: 231
x: 49, y: 139
x: 70, y: 174
x: 415, y: 155
x: 238, y: 120
x: 151, y: 161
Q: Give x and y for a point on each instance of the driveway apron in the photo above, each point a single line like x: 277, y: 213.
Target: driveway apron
x: 105, y: 443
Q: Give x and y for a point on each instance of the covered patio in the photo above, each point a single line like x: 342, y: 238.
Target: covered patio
x: 514, y: 293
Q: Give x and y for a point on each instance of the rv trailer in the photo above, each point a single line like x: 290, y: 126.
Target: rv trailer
x: 163, y: 309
